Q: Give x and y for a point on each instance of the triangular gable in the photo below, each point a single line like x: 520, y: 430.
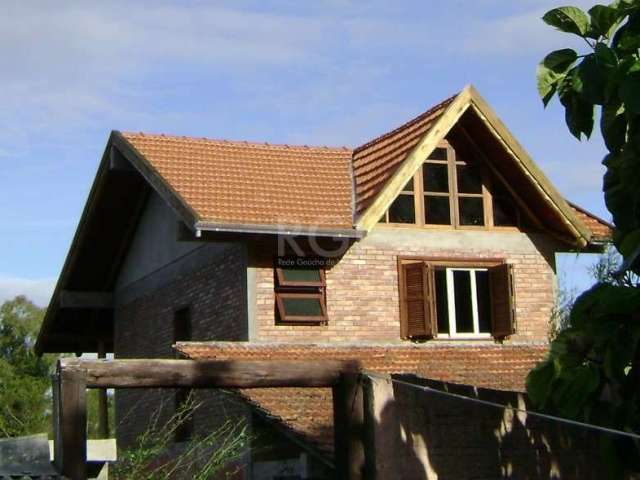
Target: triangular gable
x: 442, y: 122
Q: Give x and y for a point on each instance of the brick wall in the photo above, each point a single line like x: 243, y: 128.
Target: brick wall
x: 417, y: 434
x: 362, y: 289
x: 216, y: 296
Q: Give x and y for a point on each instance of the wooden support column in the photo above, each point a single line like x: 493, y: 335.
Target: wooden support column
x: 103, y: 404
x: 348, y: 427
x: 70, y: 423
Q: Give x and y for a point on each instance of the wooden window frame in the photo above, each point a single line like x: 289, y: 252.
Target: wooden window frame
x: 415, y: 211
x: 287, y: 283
x: 284, y: 318
x: 419, y: 195
x: 453, y: 334
x: 302, y: 290
x: 461, y: 263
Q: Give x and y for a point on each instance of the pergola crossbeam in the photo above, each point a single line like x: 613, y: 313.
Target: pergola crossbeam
x: 74, y: 376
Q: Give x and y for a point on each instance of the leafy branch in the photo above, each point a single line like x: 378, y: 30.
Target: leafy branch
x: 593, y: 369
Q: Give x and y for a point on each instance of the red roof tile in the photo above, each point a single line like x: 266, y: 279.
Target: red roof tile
x: 308, y: 411
x: 601, y: 229
x: 253, y: 183
x: 375, y: 162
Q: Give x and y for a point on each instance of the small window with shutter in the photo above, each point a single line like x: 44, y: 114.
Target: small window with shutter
x: 442, y: 299
x: 300, y: 295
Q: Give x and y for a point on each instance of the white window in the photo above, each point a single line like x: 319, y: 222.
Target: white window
x: 463, y: 302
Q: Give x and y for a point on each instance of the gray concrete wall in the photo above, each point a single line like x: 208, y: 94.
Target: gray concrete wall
x: 154, y: 244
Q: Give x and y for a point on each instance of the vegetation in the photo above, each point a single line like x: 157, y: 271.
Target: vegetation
x: 25, y: 403
x: 561, y: 310
x: 93, y: 430
x: 155, y: 457
x: 593, y: 369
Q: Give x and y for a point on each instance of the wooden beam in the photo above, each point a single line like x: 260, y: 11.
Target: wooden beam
x: 184, y: 211
x: 76, y: 299
x: 521, y: 203
x: 414, y: 159
x: 70, y: 423
x: 539, y: 179
x: 156, y: 373
x: 118, y: 162
x: 348, y: 427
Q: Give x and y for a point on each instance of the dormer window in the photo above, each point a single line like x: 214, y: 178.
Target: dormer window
x: 450, y: 189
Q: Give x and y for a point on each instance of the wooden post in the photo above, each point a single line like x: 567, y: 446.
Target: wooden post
x: 103, y: 405
x: 70, y: 427
x: 348, y: 426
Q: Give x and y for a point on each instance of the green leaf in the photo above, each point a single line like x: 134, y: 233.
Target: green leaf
x: 613, y: 125
x: 630, y: 247
x: 579, y: 114
x: 539, y: 382
x: 603, y: 19
x: 568, y: 19
x: 620, y: 191
x: 593, y: 80
x: 547, y: 83
x: 551, y: 70
x: 605, y: 55
x: 560, y: 60
x: 579, y: 118
x: 629, y: 91
x: 627, y: 38
x: 575, y: 389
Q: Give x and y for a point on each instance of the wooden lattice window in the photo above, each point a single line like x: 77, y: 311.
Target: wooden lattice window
x: 453, y: 189
x: 453, y: 299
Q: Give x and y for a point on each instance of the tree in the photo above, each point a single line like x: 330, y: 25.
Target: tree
x: 592, y: 372
x: 24, y: 377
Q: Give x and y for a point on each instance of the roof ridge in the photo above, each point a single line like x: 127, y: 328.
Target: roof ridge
x: 246, y: 143
x: 409, y: 123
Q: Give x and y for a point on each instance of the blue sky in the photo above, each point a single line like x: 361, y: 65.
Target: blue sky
x: 333, y: 72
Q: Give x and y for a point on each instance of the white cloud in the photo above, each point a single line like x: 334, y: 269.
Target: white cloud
x: 76, y: 64
x: 37, y: 290
x: 518, y: 33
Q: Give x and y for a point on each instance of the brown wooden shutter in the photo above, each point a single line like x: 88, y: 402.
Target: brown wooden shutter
x: 503, y: 321
x: 418, y: 319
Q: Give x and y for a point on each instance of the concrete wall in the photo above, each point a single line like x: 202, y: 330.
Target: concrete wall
x: 422, y: 435
x: 154, y: 244
x: 362, y: 289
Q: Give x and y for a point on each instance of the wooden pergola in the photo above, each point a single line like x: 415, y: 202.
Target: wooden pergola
x: 74, y: 376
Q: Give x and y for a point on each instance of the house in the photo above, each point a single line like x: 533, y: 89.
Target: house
x: 429, y: 250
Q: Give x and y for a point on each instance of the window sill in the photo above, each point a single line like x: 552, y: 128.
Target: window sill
x: 487, y: 336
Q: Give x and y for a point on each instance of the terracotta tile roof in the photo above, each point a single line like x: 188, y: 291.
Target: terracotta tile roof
x: 254, y: 183
x: 243, y: 183
x: 307, y: 412
x: 376, y: 161
x: 601, y: 229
